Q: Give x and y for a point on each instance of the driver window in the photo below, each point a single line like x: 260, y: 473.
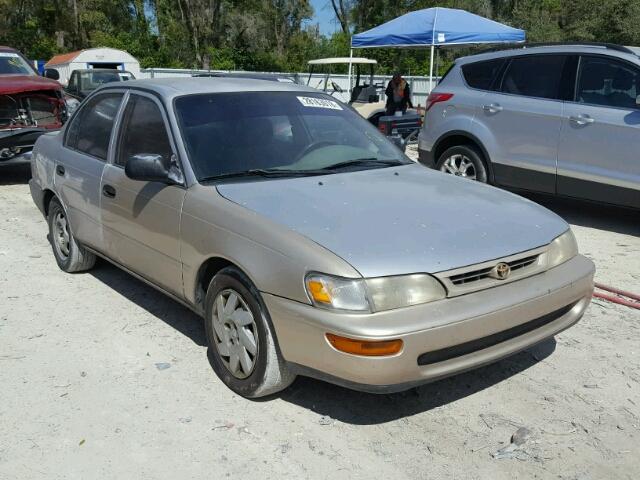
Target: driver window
x: 608, y: 82
x: 143, y: 130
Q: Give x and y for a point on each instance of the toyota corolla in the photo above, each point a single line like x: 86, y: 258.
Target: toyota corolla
x: 306, y: 240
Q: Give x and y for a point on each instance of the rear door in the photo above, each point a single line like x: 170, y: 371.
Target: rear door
x: 599, y: 155
x: 81, y: 163
x: 523, y: 117
x: 141, y: 220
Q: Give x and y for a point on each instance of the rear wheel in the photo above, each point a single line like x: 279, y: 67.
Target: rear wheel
x: 242, y: 344
x: 463, y: 161
x: 69, y: 254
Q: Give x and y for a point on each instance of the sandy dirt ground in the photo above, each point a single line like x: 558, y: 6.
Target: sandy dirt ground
x: 85, y: 391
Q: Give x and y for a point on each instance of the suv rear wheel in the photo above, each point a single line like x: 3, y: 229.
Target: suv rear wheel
x: 463, y: 161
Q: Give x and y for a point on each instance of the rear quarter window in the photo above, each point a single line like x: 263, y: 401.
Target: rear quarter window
x: 481, y: 75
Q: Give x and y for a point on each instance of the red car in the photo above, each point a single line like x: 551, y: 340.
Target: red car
x: 30, y: 105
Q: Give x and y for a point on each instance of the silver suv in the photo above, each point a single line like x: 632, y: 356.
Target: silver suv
x: 558, y: 119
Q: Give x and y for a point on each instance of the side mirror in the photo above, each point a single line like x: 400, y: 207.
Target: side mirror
x: 51, y: 73
x: 152, y: 167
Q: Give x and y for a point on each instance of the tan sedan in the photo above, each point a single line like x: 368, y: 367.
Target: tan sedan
x: 309, y: 243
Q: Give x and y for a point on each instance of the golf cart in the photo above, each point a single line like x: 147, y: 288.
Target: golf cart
x: 363, y: 97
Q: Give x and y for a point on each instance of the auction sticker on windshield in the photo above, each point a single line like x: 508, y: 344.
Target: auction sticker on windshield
x: 319, y: 103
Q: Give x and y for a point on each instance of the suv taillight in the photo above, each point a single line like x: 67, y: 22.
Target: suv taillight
x: 437, y: 97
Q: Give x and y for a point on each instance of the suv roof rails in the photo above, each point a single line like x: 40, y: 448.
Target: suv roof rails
x: 610, y: 46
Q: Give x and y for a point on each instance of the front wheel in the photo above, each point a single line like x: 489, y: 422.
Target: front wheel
x: 463, y: 161
x: 242, y: 344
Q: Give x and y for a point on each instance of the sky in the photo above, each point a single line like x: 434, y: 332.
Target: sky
x: 323, y: 15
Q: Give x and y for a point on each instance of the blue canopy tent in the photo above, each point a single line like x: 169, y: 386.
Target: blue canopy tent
x: 436, y: 27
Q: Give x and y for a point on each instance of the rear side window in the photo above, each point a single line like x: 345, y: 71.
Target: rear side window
x: 534, y: 76
x: 90, y: 129
x: 481, y: 75
x: 143, y: 130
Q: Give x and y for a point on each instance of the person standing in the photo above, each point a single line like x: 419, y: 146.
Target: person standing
x: 398, y: 95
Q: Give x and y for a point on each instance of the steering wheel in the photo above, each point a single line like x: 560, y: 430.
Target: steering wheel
x: 312, y: 147
x: 336, y: 87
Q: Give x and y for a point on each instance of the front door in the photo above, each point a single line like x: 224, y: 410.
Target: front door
x: 524, y: 117
x: 598, y: 156
x: 141, y: 220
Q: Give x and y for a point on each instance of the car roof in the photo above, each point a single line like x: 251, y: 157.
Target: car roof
x: 100, y: 70
x: 172, y: 87
x: 274, y: 77
x: 630, y: 53
x: 342, y: 60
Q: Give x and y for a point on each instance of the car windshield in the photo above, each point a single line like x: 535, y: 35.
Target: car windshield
x: 92, y: 80
x: 278, y: 132
x: 13, y: 64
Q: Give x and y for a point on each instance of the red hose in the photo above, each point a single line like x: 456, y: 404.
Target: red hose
x: 619, y: 292
x: 617, y: 299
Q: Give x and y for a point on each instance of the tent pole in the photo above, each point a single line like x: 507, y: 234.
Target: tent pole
x: 350, y: 57
x: 431, y: 69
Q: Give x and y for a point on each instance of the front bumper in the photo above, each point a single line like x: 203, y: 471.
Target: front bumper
x: 451, y: 335
x: 16, y: 145
x: 20, y: 159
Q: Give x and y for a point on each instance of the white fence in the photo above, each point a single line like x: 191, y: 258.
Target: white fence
x: 419, y: 85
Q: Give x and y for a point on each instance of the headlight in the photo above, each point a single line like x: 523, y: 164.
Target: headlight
x: 373, y: 294
x: 337, y: 293
x: 563, y: 248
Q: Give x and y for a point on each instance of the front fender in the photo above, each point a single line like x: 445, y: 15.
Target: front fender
x: 275, y: 258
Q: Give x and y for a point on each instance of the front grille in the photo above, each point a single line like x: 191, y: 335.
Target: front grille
x: 475, y: 275
x: 491, y: 340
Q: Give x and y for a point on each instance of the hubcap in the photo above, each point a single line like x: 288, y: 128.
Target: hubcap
x: 61, y: 234
x: 460, y: 166
x: 235, y: 332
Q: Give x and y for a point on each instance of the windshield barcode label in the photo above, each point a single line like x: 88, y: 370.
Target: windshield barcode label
x: 319, y: 103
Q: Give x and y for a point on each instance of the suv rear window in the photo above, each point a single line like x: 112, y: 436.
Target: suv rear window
x: 534, y: 76
x: 480, y: 75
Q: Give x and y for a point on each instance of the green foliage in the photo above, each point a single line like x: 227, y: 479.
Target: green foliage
x: 266, y: 35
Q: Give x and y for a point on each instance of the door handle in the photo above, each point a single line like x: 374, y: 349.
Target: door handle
x: 492, y: 108
x: 581, y: 119
x: 108, y: 191
x: 60, y: 170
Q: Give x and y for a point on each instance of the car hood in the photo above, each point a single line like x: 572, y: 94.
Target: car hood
x: 400, y: 220
x: 26, y: 83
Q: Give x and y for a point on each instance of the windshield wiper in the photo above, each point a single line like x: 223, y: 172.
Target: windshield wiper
x: 264, y: 172
x: 365, y: 162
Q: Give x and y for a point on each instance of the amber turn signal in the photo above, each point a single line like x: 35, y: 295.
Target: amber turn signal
x: 365, y: 347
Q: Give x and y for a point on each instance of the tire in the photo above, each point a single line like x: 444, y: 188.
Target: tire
x: 463, y: 161
x: 69, y: 254
x: 250, y: 372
